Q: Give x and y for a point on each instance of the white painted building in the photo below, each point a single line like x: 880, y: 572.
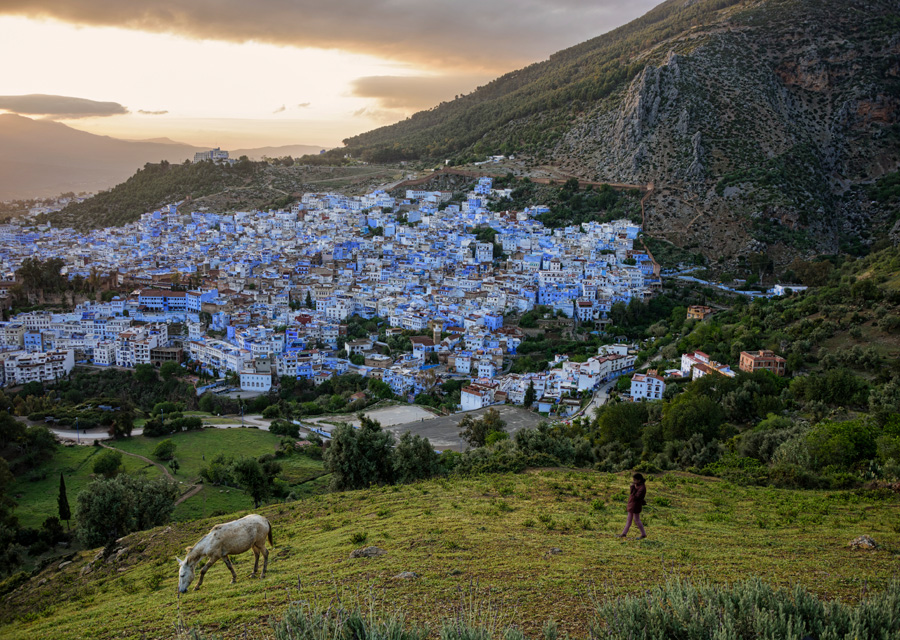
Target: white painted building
x: 253, y: 381
x: 20, y: 367
x: 647, y: 387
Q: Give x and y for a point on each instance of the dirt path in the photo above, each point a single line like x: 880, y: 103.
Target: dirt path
x: 194, y: 489
x: 140, y: 457
x: 190, y: 493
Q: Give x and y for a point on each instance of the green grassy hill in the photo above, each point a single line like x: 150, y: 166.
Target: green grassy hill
x: 37, y: 491
x: 536, y: 546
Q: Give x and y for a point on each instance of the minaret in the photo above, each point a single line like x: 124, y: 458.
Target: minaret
x: 436, y: 326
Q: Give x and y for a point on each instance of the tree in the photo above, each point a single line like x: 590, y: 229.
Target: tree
x: 380, y: 389
x: 414, y: 458
x: 174, y: 466
x: 63, y: 502
x: 249, y: 473
x: 122, y: 425
x: 358, y: 458
x: 108, y: 463
x: 688, y: 414
x: 309, y: 301
x: 110, y: 508
x: 165, y: 450
x: 145, y: 373
x: 530, y: 395
x: 475, y: 431
x: 7, y: 504
x: 621, y: 422
x: 170, y: 369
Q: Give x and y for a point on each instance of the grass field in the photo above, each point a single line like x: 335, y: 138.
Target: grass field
x: 37, y: 499
x: 537, y: 546
x: 194, y: 449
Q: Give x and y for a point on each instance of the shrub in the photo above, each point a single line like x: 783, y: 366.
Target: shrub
x: 681, y: 610
x: 301, y: 621
x: 108, y: 463
x: 414, y: 458
x: 359, y: 537
x: 738, y: 469
x: 165, y: 450
x: 111, y: 508
x: 284, y: 428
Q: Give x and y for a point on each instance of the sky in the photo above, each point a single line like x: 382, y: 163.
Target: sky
x: 238, y: 74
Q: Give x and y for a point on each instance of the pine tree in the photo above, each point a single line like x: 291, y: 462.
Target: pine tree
x: 530, y: 394
x: 309, y: 300
x: 63, y: 501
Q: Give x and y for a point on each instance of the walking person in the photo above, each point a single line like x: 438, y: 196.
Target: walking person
x: 636, y: 502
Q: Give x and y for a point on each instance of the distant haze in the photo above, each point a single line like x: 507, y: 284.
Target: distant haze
x: 43, y: 158
x: 272, y: 73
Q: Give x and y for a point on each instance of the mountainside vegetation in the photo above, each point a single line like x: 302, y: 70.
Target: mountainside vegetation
x: 542, y: 100
x: 220, y: 188
x: 152, y: 187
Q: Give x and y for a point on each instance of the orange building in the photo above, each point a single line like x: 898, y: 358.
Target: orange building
x: 756, y: 360
x: 698, y: 312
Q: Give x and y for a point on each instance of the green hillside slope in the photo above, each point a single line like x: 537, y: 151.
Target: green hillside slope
x: 538, y: 545
x: 542, y: 99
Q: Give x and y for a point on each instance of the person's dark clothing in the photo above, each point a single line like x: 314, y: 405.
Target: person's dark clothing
x: 636, y: 500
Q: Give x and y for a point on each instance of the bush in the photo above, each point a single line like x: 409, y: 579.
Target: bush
x: 502, y: 457
x: 111, y: 508
x: 738, y: 469
x: 841, y: 444
x: 680, y: 610
x: 785, y: 475
x: 165, y: 450
x: 414, y: 458
x: 301, y: 621
x: 284, y: 428
x: 108, y: 463
x: 273, y: 411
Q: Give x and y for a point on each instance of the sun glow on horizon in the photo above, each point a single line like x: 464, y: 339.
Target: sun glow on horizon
x: 195, y: 91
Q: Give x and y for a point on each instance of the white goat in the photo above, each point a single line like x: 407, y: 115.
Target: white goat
x: 223, y: 540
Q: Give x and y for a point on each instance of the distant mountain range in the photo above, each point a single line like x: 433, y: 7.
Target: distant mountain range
x: 46, y: 158
x: 764, y: 125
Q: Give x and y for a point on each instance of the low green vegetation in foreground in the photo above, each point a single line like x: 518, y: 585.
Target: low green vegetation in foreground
x: 534, y: 547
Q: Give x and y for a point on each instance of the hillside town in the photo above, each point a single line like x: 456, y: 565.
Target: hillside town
x: 260, y: 295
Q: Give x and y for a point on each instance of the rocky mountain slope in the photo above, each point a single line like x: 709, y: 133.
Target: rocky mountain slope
x: 758, y: 122
x: 758, y: 128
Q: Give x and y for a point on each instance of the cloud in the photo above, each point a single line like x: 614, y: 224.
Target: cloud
x: 486, y: 35
x: 152, y: 113
x: 279, y: 109
x: 413, y: 93
x: 59, y: 107
x: 376, y: 115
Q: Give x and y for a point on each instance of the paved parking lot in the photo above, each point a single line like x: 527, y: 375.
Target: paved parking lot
x: 387, y: 416
x: 443, y: 432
